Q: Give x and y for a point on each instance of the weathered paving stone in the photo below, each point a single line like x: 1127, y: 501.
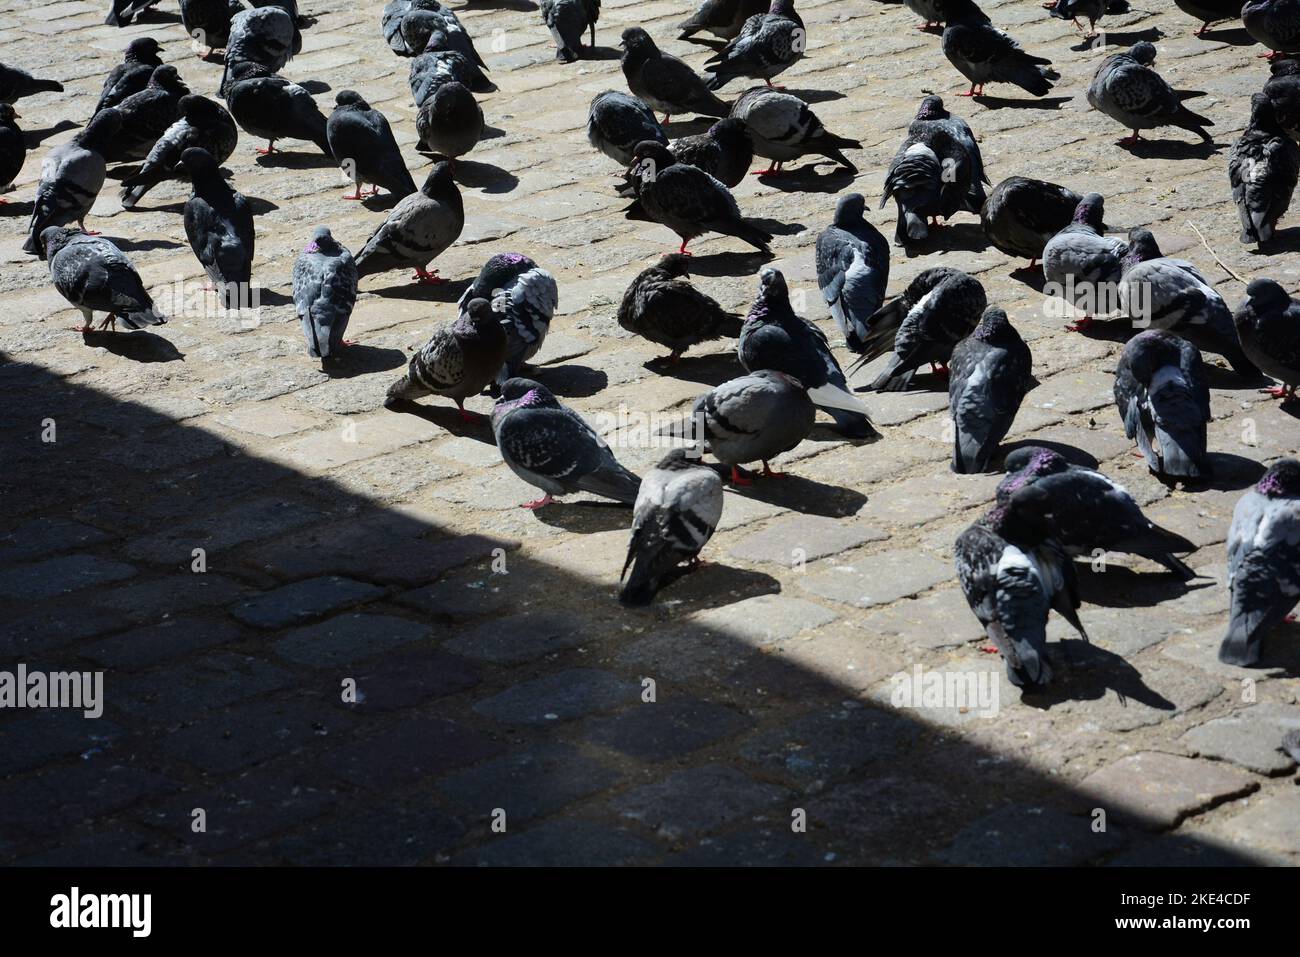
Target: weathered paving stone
x: 884, y: 818
x: 1156, y: 791
x: 414, y: 749
x: 58, y: 576
x: 562, y: 843
x: 457, y: 600
x: 155, y: 644
x: 405, y: 679
x: 941, y: 619
x: 517, y: 638
x: 187, y: 690
x: 1250, y: 737
x: 45, y: 536
x: 698, y: 800
x: 1268, y: 822
x: 252, y: 732
x: 526, y: 783
x: 668, y: 728
x: 54, y: 626
x: 560, y: 696
x: 1180, y: 850
x: 878, y: 580
x: 1032, y: 837
x: 60, y: 799
x: 234, y: 526
x: 348, y: 638
x: 831, y: 743
x: 765, y: 619
x: 795, y: 539
x: 50, y: 735
x: 303, y: 600
x: 759, y: 847
x: 387, y: 833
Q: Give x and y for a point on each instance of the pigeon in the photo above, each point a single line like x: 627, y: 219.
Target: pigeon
x: 524, y: 296
x: 71, y: 177
x: 1092, y: 10
x: 408, y: 27
x: 662, y: 81
x: 1162, y: 397
x: 768, y: 44
x: 207, y: 23
x: 1273, y: 23
x: 450, y: 121
x: 13, y: 148
x: 550, y: 447
x: 1081, y: 264
x: 1263, y: 562
x: 662, y: 306
x: 935, y: 13
x: 131, y: 75
x: 147, y: 115
x: 782, y: 128
x: 272, y: 108
x: 1263, y: 167
x: 774, y: 337
x: 1209, y: 11
x: 953, y: 142
x: 1268, y: 327
x: 268, y: 36
x: 939, y: 308
x: 219, y: 226
x: 1283, y: 91
x: 1012, y: 579
x: 362, y: 143
x: 1128, y: 90
x: 915, y: 182
x: 1161, y: 293
x: 618, y: 122
x: 724, y: 151
x: 677, y: 511
x: 16, y: 84
x: 122, y: 12
x: 991, y: 375
x: 445, y: 37
x: 568, y: 20
x: 324, y: 292
x: 1022, y: 215
x: 689, y: 201
x: 204, y: 124
x: 458, y: 361
x: 417, y: 229
x: 852, y: 260
x: 722, y: 18
x: 431, y: 70
x: 1085, y: 510
x: 95, y: 276
x: 984, y: 54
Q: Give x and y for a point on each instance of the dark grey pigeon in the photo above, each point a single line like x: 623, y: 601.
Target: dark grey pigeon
x: 689, y: 201
x: 935, y: 13
x: 768, y: 44
x: 431, y: 70
x: 551, y: 447
x: 219, y: 226
x: 953, y: 142
x: 71, y: 177
x: 204, y: 124
x: 1263, y: 562
x: 444, y: 39
x: 324, y: 292
x: 450, y: 121
x: 417, y: 229
x: 1092, y: 10
x: 1081, y: 264
x: 1209, y: 11
x: 662, y: 306
x: 568, y: 21
x: 16, y: 83
x: 1274, y: 23
x: 1162, y: 397
x: 722, y: 18
x: 783, y: 128
x: 131, y: 75
x: 915, y: 182
x: 13, y: 147
x: 984, y: 54
x: 724, y: 151
x: 1129, y: 90
x: 272, y: 108
x: 95, y: 276
x: 207, y: 23
x: 774, y: 337
x: 992, y: 372
x: 1022, y: 215
x: 664, y: 82
x: 676, y: 512
x: 1283, y: 91
x: 1085, y: 510
x: 852, y: 260
x: 618, y: 122
x: 147, y: 115
x: 1268, y: 327
x: 524, y: 297
x: 268, y: 36
x: 362, y: 143
x: 1263, y: 167
x: 409, y: 24
x: 122, y: 12
x: 459, y: 361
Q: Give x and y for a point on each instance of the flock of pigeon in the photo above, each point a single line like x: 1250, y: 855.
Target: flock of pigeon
x: 1014, y: 563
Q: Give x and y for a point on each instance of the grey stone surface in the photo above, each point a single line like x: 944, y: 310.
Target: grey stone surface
x: 1251, y: 738
x: 303, y: 600
x: 1155, y: 790
x: 560, y: 696
x: 698, y: 800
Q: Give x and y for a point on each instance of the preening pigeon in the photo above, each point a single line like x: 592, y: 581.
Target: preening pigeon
x: 268, y: 36
x: 953, y: 142
x: 724, y: 151
x: 219, y: 226
x: 1263, y: 167
x: 550, y: 447
x: 1021, y: 215
x: 204, y: 124
x: 408, y: 26
x: 459, y: 361
x: 1263, y: 562
x: 448, y: 38
x: 16, y: 84
x: 450, y: 121
x: 722, y: 18
x: 662, y: 306
x: 147, y: 115
x: 1085, y: 510
x: 664, y: 82
x: 568, y: 20
x: 1082, y: 265
x: 71, y: 177
x: 992, y: 372
x: 618, y: 122
x: 207, y: 22
x: 852, y: 260
x: 936, y: 171
x: 1274, y: 23
x: 768, y: 45
x: 783, y: 128
x: 362, y: 143
x: 1268, y: 327
x: 13, y: 148
x: 95, y: 276
x: 324, y: 292
x: 431, y: 70
x: 272, y: 108
x: 1129, y: 90
x: 774, y: 337
x: 676, y: 512
x: 1283, y: 91
x: 417, y: 229
x: 131, y: 75
x: 1209, y: 11
x: 984, y: 54
x: 1162, y: 397
x: 915, y: 182
x: 122, y: 12
x: 524, y: 297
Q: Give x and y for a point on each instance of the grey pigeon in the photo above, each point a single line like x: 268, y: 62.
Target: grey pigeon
x: 269, y: 107
x: 1268, y: 328
x: 1283, y: 90
x: 13, y: 148
x: 953, y: 142
x: 449, y: 38
x: 689, y: 201
x: 147, y: 115
x: 568, y: 20
x: 267, y: 36
x: 219, y: 226
x: 774, y: 337
x: 207, y: 22
x: 992, y: 372
x: 783, y: 128
x: 1092, y: 10
x: 524, y: 297
x: 1085, y: 510
x: 1263, y: 562
x: 664, y: 82
x: 663, y: 307
x: 324, y: 292
x: 1209, y: 11
x: 724, y: 151
x: 1162, y: 397
x: 362, y: 143
x: 122, y: 12
x: 915, y: 182
x: 431, y: 70
x: 417, y: 229
x: 550, y: 447
x: 459, y: 361
x: 768, y: 44
x: 71, y: 177
x: 1129, y: 90
x: 1022, y: 215
x: 131, y: 75
x: 722, y: 18
x: 410, y: 24
x: 95, y: 276
x: 203, y: 123
x: 1274, y: 23
x: 1263, y: 167
x: 852, y: 260
x: 935, y: 13
x: 984, y: 54
x: 1081, y: 264
x: 677, y: 510
x: 617, y: 122
x: 937, y: 171
x: 450, y: 121
x: 16, y: 83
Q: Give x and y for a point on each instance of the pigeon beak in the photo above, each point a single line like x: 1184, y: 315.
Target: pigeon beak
x: 17, y: 115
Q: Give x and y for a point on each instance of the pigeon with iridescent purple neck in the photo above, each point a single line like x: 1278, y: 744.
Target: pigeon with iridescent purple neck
x: 324, y: 292
x: 991, y: 373
x: 1263, y: 167
x: 1268, y: 325
x: 459, y: 361
x: 524, y: 297
x: 768, y: 44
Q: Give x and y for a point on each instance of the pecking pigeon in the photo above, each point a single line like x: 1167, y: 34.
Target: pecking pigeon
x: 1268, y: 327
x: 992, y: 372
x: 417, y: 229
x: 450, y: 121
x: 131, y: 75
x: 95, y: 276
x: 915, y: 182
x: 768, y: 44
x: 147, y: 115
x: 852, y: 260
x: 435, y: 66
x: 1081, y: 264
x: 984, y: 54
x: 953, y: 142
x: 219, y: 226
x: 617, y: 122
x: 664, y: 82
x: 267, y: 36
x: 1263, y: 167
x: 662, y: 306
x: 204, y: 124
x: 272, y: 108
x: 362, y: 143
x: 1129, y: 90
x: 16, y: 84
x: 935, y: 13
x: 722, y: 18
x: 1162, y: 397
x: 1091, y: 10
x: 324, y: 292
x: 568, y: 21
x: 71, y: 177
x: 459, y: 361
x: 724, y: 151
x: 1022, y: 215
x: 783, y: 128
x: 524, y: 296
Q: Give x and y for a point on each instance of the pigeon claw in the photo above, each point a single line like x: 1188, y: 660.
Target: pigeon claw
x: 1129, y: 140
x: 538, y: 503
x: 768, y: 473
x: 427, y: 278
x: 1079, y: 324
x: 1281, y: 392
x: 738, y: 479
x: 772, y: 170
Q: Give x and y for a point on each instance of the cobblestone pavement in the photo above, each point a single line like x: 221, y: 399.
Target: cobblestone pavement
x: 499, y: 681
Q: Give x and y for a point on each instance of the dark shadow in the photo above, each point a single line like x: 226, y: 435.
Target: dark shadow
x: 1110, y: 330
x: 801, y: 494
x: 570, y: 380
x: 1282, y: 241
x: 444, y: 414
x: 1232, y: 473
x: 143, y: 245
x: 1234, y: 36
x: 819, y: 176
x: 448, y: 291
x: 303, y: 157
x: 585, y: 517
x: 678, y: 126
x: 1171, y: 149
x: 1033, y: 278
x: 122, y: 171
x: 1071, y: 454
x: 776, y: 227
x: 360, y: 359
x: 138, y: 346
x: 22, y: 207
x: 1119, y: 39
x: 522, y: 5
x: 269, y: 297
x: 314, y: 87
x: 1121, y: 587
x: 381, y: 202
x: 492, y: 133
x: 1086, y: 672
x: 1042, y: 103
x: 951, y: 237
x: 709, y: 370
x: 717, y: 44
x: 599, y: 52
x: 1222, y: 377
x: 259, y: 206
x: 34, y: 138
x: 729, y: 264
x: 817, y: 96
x: 485, y: 176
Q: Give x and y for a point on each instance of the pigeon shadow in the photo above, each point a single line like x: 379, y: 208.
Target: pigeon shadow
x: 571, y: 381
x: 713, y: 585
x: 1109, y: 330
x: 1086, y: 672
x: 448, y: 291
x: 711, y: 370
x: 1221, y: 377
x: 144, y: 245
x: 799, y: 493
x: 817, y: 96
x: 1233, y: 36
x: 491, y: 133
x: 1230, y: 473
x: 691, y: 127
x: 138, y: 346
x: 1171, y: 149
x: 1074, y: 456
x: 601, y: 53
x: 485, y: 176
x: 20, y: 208
x: 1042, y: 103
x: 716, y: 44
x: 585, y: 517
x: 1282, y: 241
x: 124, y: 170
x: 807, y: 179
x: 951, y: 237
x: 448, y: 418
x: 1033, y: 278
x: 1107, y: 39
x: 259, y: 206
x: 1121, y: 587
x: 297, y: 159
x: 269, y: 297
x: 34, y: 138
x: 356, y: 359
x: 381, y: 202
x: 729, y: 264
x: 314, y: 87
x: 521, y: 5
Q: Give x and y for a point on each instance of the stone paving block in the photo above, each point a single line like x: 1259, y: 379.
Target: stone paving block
x: 765, y: 618
x: 879, y: 579
x: 403, y: 680
x: 268, y: 421
x: 234, y: 526
x: 885, y: 818
x: 695, y: 801
x: 559, y: 696
x: 1156, y: 791
x: 252, y: 732
x: 517, y: 638
x: 45, y: 536
x: 831, y: 743
x: 1251, y: 738
x: 57, y: 800
x: 388, y: 833
x: 940, y: 619
x: 1268, y: 822
x: 52, y: 735
x: 759, y: 847
x: 562, y: 842
x: 526, y: 783
x: 668, y: 728
x: 303, y: 600
x: 347, y: 639
x: 795, y: 539
x: 171, y: 639
x: 414, y: 749
x: 59, y: 576
x: 1019, y: 836
x: 458, y: 600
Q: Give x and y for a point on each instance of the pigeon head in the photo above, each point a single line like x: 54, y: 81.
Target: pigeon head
x: 965, y: 10
x: 1282, y: 480
x: 849, y: 208
x: 478, y: 317
x: 7, y: 114
x: 54, y: 238
x: 931, y: 108
x: 246, y: 70
x: 771, y: 285
x: 637, y: 42
x: 675, y: 264
x: 1091, y: 211
x: 322, y: 241
x: 649, y: 159
x: 143, y: 50
x: 198, y: 108
x: 781, y: 8
x: 439, y: 184
x: 523, y: 394
x: 1285, y: 66
x: 165, y: 77
x: 1142, y: 246
x: 1035, y: 460
x: 1267, y: 294
x: 1262, y: 115
x: 351, y: 98
x: 731, y: 132
x: 1144, y: 52
x: 103, y: 126
x: 994, y: 326
x: 198, y: 163
x: 500, y: 271
x: 678, y: 461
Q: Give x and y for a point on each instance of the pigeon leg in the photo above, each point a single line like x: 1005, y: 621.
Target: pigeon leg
x: 356, y: 194
x: 1290, y: 618
x: 465, y: 414
x: 682, y: 249
x: 1027, y: 270
x: 1268, y: 56
x: 374, y: 190
x: 1281, y: 392
x: 974, y: 92
x: 87, y: 322
x: 270, y: 148
x: 989, y: 649
x: 89, y: 232
x: 768, y: 473
x: 3, y: 201
x: 772, y: 86
x: 428, y: 278
x: 738, y: 479
x: 673, y: 357
x: 1201, y: 31
x: 538, y: 503
x: 593, y: 34
x: 1079, y: 324
x: 109, y: 323
x: 940, y: 369
x: 772, y: 170
x: 1129, y: 140
x: 667, y: 117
